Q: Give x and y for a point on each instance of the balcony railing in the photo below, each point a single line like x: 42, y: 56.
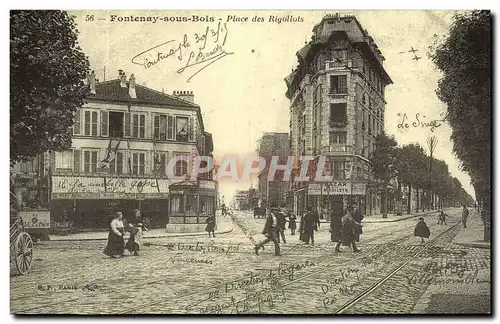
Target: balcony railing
x: 335, y: 149
x: 335, y: 65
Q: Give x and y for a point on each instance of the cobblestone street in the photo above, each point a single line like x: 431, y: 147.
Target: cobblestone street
x: 199, y: 275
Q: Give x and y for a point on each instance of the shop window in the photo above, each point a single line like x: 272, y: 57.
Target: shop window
x: 177, y: 204
x: 338, y: 168
x: 206, y: 205
x: 191, y: 204
x: 116, y: 124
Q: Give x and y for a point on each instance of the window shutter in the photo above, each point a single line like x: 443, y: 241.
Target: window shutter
x: 156, y: 127
x: 86, y: 122
x: 77, y: 126
x: 142, y: 126
x: 127, y: 125
x: 190, y: 129
x: 76, y: 161
x: 104, y: 123
x: 94, y: 123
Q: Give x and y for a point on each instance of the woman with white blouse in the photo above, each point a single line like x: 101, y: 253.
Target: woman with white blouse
x: 116, y: 243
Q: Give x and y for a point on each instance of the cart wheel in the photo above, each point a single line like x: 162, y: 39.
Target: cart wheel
x: 24, y: 253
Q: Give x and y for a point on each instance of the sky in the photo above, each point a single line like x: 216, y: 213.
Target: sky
x: 242, y: 95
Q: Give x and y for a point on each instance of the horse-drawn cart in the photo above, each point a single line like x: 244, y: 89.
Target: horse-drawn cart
x: 21, y: 244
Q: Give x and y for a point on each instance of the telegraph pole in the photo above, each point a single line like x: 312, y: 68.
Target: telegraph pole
x: 431, y: 144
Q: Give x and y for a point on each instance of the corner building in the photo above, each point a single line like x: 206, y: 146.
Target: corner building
x: 143, y: 130
x: 337, y: 109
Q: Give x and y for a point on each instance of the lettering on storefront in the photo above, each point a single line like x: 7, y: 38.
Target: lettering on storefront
x: 35, y: 219
x: 107, y: 188
x: 337, y: 188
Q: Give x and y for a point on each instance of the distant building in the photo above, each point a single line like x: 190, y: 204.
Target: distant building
x: 241, y: 200
x: 337, y: 108
x: 273, y: 193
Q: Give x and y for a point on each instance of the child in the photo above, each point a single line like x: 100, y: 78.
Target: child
x: 421, y: 230
x: 292, y: 224
x: 210, y: 225
x: 442, y: 218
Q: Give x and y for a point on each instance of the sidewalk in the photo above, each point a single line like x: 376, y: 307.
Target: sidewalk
x: 394, y: 218
x: 224, y: 225
x: 474, y: 233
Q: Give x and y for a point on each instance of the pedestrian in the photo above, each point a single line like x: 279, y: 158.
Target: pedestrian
x: 281, y: 225
x: 335, y: 226
x: 270, y: 229
x: 442, y: 218
x: 310, y: 224
x: 210, y: 225
x: 465, y: 216
x: 348, y: 236
x: 358, y: 217
x: 116, y: 243
x: 136, y: 228
x: 421, y: 229
x: 292, y: 224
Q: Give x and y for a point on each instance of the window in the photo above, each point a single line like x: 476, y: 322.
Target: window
x: 338, y: 138
x: 89, y: 161
x: 76, y: 161
x: 369, y: 124
x: 138, y: 126
x: 170, y: 128
x: 127, y: 125
x: 182, y: 128
x: 77, y: 126
x: 94, y: 123
x: 138, y: 163
x: 104, y: 123
x: 86, y: 121
x: 142, y: 126
x: 338, y: 84
x: 338, y: 113
x: 116, y: 165
x: 160, y: 127
x: 317, y: 94
x: 90, y: 123
x: 181, y: 166
x: 177, y: 204
x: 116, y: 124
x: 64, y: 160
x: 191, y: 130
x: 338, y: 168
x: 191, y: 203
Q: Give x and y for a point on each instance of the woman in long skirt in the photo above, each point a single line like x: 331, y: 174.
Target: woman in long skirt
x: 115, y: 243
x: 292, y: 224
x: 210, y: 225
x: 136, y: 229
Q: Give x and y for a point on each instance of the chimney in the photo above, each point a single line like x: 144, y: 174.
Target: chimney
x: 123, y: 79
x: 131, y: 87
x: 185, y: 95
x: 91, y: 80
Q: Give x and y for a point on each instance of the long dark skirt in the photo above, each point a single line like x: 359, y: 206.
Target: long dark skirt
x: 292, y: 224
x: 115, y: 245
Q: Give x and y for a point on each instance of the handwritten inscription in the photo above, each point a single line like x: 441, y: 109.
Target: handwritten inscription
x: 426, y: 278
x: 180, y: 258
x: 256, y: 290
x: 200, y: 50
x: 204, y: 247
x: 418, y: 122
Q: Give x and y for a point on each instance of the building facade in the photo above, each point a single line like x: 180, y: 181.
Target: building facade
x: 273, y: 192
x: 123, y: 139
x: 337, y: 108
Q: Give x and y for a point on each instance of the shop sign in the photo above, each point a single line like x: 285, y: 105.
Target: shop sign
x: 35, y: 219
x: 337, y: 188
x: 108, y: 195
x: 80, y: 186
x: 206, y: 184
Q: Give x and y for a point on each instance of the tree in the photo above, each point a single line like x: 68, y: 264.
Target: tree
x: 464, y: 57
x: 47, y: 69
x: 383, y: 164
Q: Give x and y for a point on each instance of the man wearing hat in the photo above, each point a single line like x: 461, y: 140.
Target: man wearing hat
x: 270, y: 231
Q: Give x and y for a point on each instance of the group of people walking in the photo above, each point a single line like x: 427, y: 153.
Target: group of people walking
x: 116, y: 242
x: 345, y: 229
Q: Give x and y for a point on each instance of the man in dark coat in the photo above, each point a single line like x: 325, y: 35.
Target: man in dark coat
x: 281, y: 225
x: 309, y: 225
x: 358, y: 217
x: 465, y: 216
x: 349, y: 226
x: 270, y: 231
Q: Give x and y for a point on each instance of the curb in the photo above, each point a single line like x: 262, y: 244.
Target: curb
x: 475, y: 245
x: 368, y: 220
x: 225, y: 231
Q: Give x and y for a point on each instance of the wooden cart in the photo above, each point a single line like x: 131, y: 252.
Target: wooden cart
x: 21, y: 244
